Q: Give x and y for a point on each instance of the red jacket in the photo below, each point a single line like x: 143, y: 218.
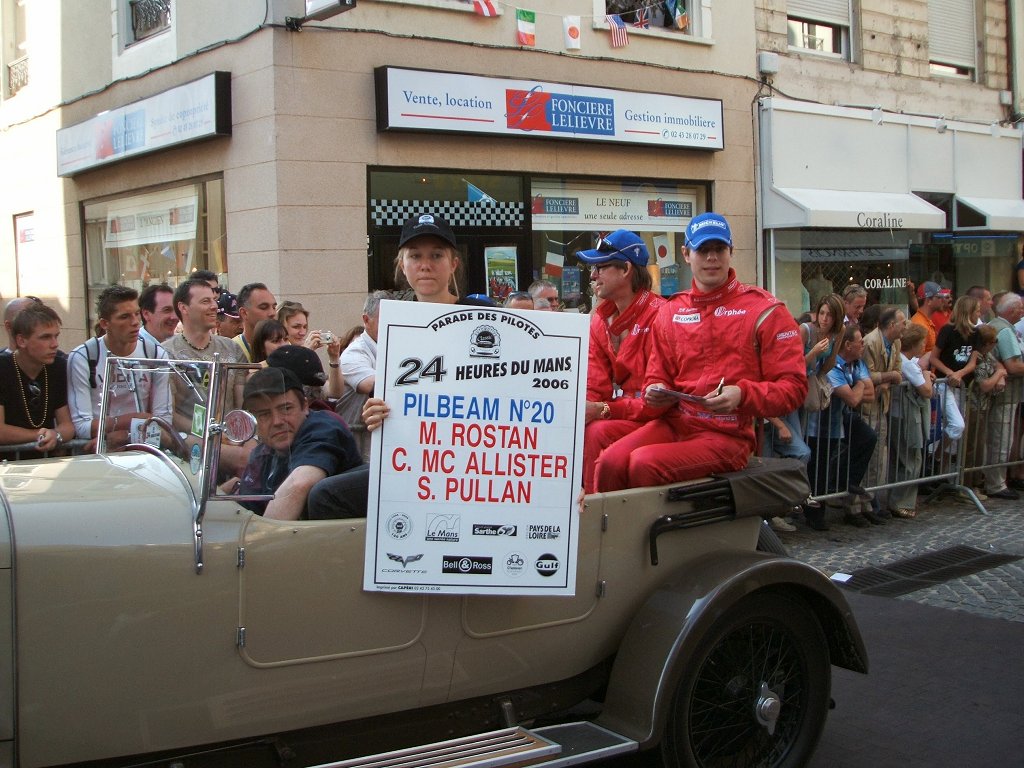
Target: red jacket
x: 701, y: 337
x: 624, y: 370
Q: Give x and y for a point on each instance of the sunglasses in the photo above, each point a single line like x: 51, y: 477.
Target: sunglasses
x: 35, y: 395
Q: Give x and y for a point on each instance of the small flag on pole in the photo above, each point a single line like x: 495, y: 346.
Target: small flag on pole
x: 484, y: 8
x: 476, y: 195
x: 526, y: 27
x: 643, y: 18
x: 620, y: 36
x: 571, y: 25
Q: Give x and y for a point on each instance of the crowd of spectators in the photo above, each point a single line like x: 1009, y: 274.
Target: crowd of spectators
x: 876, y: 402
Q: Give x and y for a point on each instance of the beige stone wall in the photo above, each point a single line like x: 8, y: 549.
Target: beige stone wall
x: 890, y: 37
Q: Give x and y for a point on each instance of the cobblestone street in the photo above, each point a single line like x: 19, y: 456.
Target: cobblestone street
x: 945, y: 522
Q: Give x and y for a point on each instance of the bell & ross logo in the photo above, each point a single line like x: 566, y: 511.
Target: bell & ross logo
x: 466, y: 564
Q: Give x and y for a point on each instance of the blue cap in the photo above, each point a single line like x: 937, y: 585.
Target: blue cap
x: 620, y: 245
x: 707, y: 227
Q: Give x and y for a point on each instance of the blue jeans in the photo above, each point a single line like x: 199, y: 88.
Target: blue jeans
x: 796, y: 448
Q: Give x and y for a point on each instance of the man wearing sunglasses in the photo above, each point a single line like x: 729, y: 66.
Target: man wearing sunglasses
x: 620, y: 343
x: 723, y: 354
x: 33, y: 383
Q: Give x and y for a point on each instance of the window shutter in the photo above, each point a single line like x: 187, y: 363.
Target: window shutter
x: 952, y: 32
x: 828, y: 11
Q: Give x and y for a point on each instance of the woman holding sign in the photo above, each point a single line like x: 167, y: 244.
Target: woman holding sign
x: 428, y: 259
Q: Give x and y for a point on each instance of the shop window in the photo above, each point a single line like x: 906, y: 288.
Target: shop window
x: 819, y: 26
x: 569, y: 215
x: 952, y: 38
x: 15, y: 45
x: 660, y: 18
x: 490, y: 212
x: 155, y: 237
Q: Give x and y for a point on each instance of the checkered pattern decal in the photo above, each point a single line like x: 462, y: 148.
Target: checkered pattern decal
x: 394, y: 213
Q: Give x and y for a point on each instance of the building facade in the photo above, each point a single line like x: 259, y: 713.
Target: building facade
x: 337, y: 132
x: 889, y: 146
x: 149, y: 138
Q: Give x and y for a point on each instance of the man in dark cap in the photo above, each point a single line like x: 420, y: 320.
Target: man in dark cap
x: 302, y: 454
x: 229, y: 318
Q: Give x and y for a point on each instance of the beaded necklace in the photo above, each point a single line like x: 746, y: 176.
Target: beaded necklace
x: 24, y: 398
x: 197, y: 349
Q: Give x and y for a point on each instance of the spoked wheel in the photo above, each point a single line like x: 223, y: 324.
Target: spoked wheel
x: 755, y: 692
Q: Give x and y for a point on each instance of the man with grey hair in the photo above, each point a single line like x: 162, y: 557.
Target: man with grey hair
x: 545, y: 291
x: 1003, y: 411
x: 359, y: 368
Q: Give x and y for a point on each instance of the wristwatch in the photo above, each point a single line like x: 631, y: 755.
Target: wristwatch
x: 606, y: 411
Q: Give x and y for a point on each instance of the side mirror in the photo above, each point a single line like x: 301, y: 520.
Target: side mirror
x: 239, y: 426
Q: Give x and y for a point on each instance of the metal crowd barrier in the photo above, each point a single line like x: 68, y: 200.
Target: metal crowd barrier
x: 896, y: 447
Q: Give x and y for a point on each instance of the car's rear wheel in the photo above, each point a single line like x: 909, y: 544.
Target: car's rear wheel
x: 755, y: 692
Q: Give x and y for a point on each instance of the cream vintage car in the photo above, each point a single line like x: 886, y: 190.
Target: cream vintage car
x: 152, y: 621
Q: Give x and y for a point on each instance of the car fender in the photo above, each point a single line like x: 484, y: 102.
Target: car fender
x: 675, y: 618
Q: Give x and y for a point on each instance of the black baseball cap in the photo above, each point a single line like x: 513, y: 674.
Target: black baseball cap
x: 301, y: 361
x: 271, y: 381
x: 427, y: 224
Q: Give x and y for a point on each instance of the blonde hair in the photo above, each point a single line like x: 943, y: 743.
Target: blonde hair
x: 961, y: 316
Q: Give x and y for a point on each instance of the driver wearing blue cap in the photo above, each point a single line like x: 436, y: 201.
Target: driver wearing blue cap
x: 723, y: 354
x: 620, y: 343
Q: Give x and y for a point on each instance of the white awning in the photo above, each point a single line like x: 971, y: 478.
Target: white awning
x: 841, y: 209
x: 1000, y: 213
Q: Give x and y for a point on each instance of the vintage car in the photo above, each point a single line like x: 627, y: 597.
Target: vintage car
x: 153, y: 620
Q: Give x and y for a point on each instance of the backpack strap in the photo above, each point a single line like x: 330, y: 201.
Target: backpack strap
x: 94, y: 345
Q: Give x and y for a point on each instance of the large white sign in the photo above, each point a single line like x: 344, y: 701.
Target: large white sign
x: 409, y: 99
x: 190, y: 112
x: 476, y: 471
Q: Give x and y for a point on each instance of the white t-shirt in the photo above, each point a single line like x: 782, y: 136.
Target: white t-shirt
x: 150, y: 394
x: 359, y: 360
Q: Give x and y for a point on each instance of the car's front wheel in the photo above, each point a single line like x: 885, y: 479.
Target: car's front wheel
x: 755, y: 692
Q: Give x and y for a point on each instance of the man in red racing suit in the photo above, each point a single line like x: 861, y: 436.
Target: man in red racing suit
x: 728, y: 353
x: 620, y: 343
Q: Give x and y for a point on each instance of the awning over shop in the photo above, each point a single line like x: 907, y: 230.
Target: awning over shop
x: 1000, y: 214
x: 841, y: 209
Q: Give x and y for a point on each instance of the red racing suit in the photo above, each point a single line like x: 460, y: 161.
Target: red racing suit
x: 617, y: 377
x: 740, y: 332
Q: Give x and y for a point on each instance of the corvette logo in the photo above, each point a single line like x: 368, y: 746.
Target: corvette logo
x: 404, y: 561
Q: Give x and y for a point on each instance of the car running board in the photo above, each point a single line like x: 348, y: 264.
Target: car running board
x: 551, y: 746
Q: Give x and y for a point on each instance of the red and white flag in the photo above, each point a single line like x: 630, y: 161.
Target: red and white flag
x: 484, y: 8
x: 571, y: 25
x: 620, y: 35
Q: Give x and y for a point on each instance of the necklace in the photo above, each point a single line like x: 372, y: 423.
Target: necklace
x: 197, y: 349
x: 24, y: 398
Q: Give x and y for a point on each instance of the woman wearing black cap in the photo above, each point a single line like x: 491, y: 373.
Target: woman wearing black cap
x: 428, y: 259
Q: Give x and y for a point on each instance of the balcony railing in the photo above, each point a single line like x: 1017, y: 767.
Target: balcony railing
x: 149, y: 17
x: 17, y: 75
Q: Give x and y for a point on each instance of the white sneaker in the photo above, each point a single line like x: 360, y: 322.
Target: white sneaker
x: 779, y: 524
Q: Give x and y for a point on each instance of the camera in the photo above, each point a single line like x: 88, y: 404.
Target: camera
x: 326, y: 337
